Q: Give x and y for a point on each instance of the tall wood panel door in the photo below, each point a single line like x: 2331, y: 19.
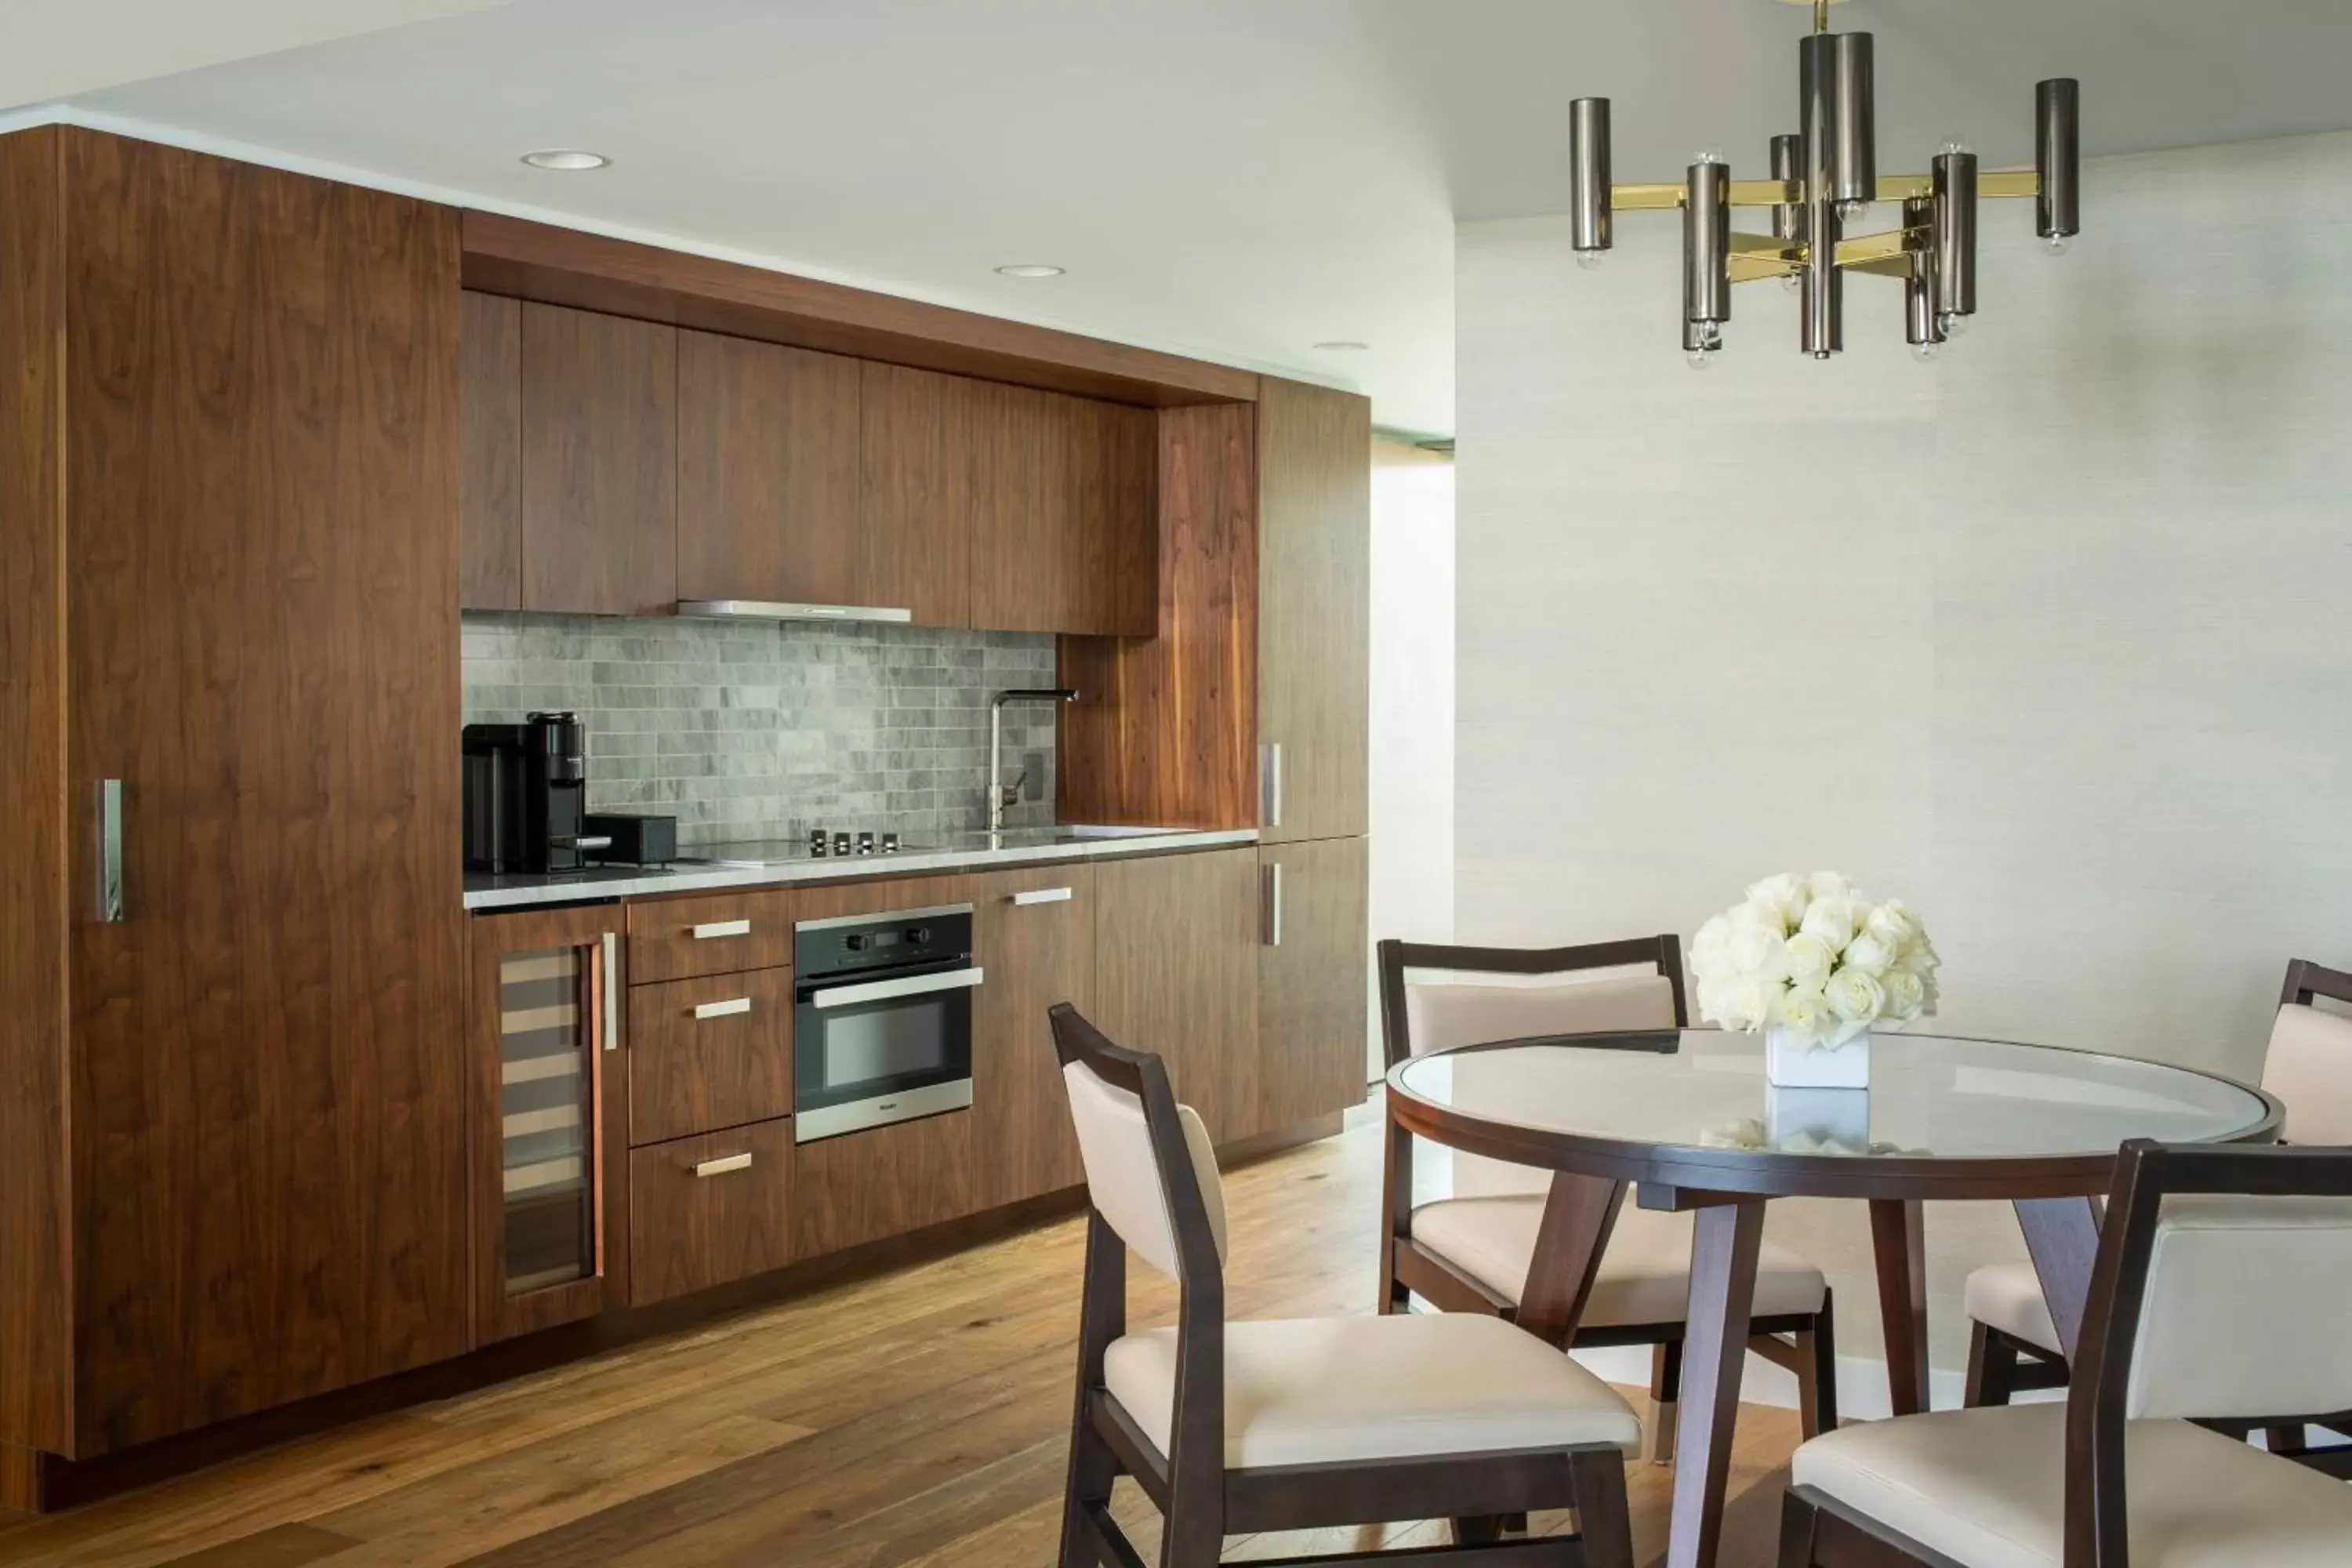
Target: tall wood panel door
x: 1034, y: 933
x: 599, y: 463
x: 489, y: 476
x: 268, y: 1096
x: 914, y: 509
x: 766, y: 472
x: 1176, y: 940
x: 1313, y: 980
x: 1314, y: 477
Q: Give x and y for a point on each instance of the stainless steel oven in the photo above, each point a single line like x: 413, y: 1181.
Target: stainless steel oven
x: 881, y: 1019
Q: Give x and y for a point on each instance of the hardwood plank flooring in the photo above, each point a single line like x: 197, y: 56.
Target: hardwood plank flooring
x: 917, y: 1418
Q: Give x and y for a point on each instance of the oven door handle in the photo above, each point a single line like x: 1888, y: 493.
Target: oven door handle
x: 884, y: 990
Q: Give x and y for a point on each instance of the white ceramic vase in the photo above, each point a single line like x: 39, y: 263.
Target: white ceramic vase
x: 1793, y: 1062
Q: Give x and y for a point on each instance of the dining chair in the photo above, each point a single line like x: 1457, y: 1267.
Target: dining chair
x: 1471, y: 1252
x: 2013, y: 1343
x: 2213, y: 1296
x: 1239, y: 1427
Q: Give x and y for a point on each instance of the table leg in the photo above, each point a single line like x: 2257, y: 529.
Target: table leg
x: 2062, y: 1234
x: 1576, y: 1219
x: 1725, y: 1241
x: 1901, y: 1252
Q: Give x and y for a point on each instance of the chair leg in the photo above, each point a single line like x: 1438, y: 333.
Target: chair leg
x: 2287, y: 1437
x: 1482, y: 1530
x: 1992, y: 1368
x: 1603, y: 1521
x: 1093, y: 1467
x: 1798, y: 1522
x: 1665, y: 1396
x: 1817, y: 1383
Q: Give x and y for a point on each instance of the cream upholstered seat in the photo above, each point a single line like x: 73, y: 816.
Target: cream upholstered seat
x: 1988, y: 1489
x: 1644, y: 1276
x: 1319, y: 1390
x: 2007, y: 1297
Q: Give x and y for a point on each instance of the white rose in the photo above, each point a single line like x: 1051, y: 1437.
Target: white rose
x: 1893, y: 924
x: 1808, y: 961
x: 1906, y: 994
x: 1832, y: 920
x: 1918, y: 956
x: 1869, y: 954
x: 1804, y: 1012
x: 1752, y: 1003
x: 1829, y: 885
x: 1784, y: 895
x: 1757, y: 949
x: 1708, y: 946
x: 1853, y: 996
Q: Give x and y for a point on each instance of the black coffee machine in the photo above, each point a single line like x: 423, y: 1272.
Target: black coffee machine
x: 526, y: 795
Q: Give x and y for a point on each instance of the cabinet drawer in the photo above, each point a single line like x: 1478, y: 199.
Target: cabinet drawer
x: 709, y: 1053
x: 863, y: 1187
x: 703, y: 1210
x: 677, y: 939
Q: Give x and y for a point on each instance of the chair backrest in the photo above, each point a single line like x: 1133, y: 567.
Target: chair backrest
x: 1151, y: 1178
x: 1547, y: 999
x: 2219, y: 1292
x: 2309, y: 1066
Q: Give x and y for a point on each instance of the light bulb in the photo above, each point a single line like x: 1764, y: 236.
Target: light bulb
x: 1708, y: 155
x: 1791, y: 282
x: 1956, y: 144
x: 1952, y: 324
x: 1849, y: 212
x: 2056, y: 244
x: 1698, y: 359
x: 1925, y: 352
x: 1590, y: 259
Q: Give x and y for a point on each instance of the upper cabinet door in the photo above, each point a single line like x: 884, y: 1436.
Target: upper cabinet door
x: 489, y: 452
x: 1314, y: 469
x: 766, y: 472
x: 916, y: 500
x: 1018, y: 457
x: 1112, y: 543
x: 599, y: 463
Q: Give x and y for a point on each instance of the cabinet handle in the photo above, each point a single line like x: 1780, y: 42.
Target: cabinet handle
x: 721, y: 928
x: 723, y: 1009
x: 1270, y: 904
x: 721, y: 1166
x: 1269, y: 784
x: 1042, y: 896
x: 612, y: 991
x: 109, y: 851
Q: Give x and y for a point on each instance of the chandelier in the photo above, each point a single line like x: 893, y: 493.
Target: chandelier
x: 1825, y: 176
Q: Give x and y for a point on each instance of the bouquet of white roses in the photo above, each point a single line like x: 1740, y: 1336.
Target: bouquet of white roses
x: 1812, y: 957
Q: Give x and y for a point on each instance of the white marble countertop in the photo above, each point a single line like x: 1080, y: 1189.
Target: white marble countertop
x: 976, y: 851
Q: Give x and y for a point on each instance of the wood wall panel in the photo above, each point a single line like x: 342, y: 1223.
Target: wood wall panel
x: 269, y: 1098
x: 599, y: 464
x: 1192, y: 1001
x: 915, y: 517
x: 490, y: 478
x: 1165, y: 728
x: 36, y: 1342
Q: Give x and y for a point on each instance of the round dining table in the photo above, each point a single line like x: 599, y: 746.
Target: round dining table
x: 1686, y: 1119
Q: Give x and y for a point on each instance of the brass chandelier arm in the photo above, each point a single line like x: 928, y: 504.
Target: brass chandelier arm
x: 1895, y: 244
x: 1791, y: 193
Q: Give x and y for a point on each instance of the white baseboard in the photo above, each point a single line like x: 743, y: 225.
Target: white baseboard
x: 1861, y: 1382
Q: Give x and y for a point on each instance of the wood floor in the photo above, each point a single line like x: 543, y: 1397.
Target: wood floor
x: 917, y: 1419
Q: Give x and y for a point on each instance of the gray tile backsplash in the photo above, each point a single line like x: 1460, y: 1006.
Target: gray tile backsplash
x: 749, y: 729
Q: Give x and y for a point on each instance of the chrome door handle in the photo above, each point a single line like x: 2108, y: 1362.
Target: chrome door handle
x: 612, y: 942
x: 109, y: 851
x: 1269, y: 784
x: 1042, y: 896
x: 723, y: 1165
x: 884, y: 990
x: 723, y: 1009
x: 721, y: 928
x: 1270, y: 904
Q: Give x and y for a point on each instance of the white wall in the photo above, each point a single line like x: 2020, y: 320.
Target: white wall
x: 2051, y: 638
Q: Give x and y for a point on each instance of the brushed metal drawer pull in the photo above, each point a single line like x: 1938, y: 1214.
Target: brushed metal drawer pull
x: 1042, y: 896
x: 723, y: 1009
x: 722, y: 928
x: 725, y: 1164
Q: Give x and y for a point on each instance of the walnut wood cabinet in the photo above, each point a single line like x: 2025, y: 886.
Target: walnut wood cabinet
x: 1313, y: 980
x: 916, y: 494
x: 1176, y: 971
x: 709, y: 1210
x: 599, y: 475
x: 1034, y: 933
x: 489, y: 457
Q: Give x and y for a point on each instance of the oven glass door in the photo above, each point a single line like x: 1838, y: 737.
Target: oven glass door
x: 871, y: 1050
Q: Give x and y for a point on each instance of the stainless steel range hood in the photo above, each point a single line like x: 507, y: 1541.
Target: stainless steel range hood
x: 764, y: 610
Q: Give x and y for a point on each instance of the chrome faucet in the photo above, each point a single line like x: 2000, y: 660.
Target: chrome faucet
x: 1001, y: 795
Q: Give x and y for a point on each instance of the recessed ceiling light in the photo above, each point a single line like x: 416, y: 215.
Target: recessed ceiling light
x: 1032, y: 269
x: 1343, y: 346
x: 565, y: 158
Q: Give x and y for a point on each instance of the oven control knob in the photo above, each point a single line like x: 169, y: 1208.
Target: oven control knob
x: 919, y: 935
x: 857, y: 942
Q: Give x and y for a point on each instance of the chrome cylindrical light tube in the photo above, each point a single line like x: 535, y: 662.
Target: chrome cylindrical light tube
x: 2058, y: 156
x: 1821, y: 285
x: 1856, y: 117
x: 1589, y: 176
x: 1707, y: 247
x: 1954, y: 227
x: 1787, y: 166
x: 1922, y: 327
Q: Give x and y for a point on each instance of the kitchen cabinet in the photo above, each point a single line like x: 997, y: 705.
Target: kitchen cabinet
x: 1314, y: 983
x: 884, y: 1181
x: 716, y: 933
x: 1176, y: 973
x: 709, y: 1054
x: 549, y: 1192
x: 599, y: 463
x: 915, y: 507
x: 232, y: 1145
x: 709, y: 1210
x: 768, y: 473
x: 489, y: 454
x: 1064, y: 533
x: 1034, y: 933
x: 1314, y: 599
x: 1112, y: 545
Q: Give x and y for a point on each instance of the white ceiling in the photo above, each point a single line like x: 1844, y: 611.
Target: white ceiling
x: 1237, y: 179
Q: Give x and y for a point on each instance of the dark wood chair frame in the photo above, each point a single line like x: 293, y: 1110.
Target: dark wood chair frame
x: 1819, y: 1532
x: 1200, y: 1500
x: 1804, y: 1343
x: 2000, y: 1364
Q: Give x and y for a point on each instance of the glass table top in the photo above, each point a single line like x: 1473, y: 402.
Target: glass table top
x: 1930, y: 1097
